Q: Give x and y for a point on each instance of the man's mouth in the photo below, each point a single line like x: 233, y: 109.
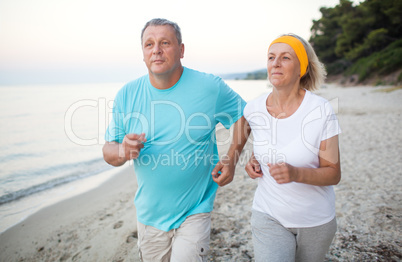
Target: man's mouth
x: 158, y: 61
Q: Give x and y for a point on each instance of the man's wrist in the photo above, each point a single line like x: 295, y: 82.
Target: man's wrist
x: 229, y: 158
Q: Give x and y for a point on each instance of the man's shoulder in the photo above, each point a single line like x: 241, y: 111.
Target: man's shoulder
x: 195, y: 73
x: 134, y: 85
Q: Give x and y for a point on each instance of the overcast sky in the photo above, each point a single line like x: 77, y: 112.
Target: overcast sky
x: 66, y: 41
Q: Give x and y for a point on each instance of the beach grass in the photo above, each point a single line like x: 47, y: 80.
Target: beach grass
x: 389, y: 89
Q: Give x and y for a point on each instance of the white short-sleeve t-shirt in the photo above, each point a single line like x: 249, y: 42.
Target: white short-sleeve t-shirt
x: 296, y: 141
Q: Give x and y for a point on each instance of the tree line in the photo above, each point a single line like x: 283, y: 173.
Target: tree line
x: 363, y: 39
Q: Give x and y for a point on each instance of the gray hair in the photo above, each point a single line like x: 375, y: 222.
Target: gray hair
x: 162, y: 21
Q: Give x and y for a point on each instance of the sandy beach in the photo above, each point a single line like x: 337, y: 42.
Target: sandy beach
x: 100, y: 225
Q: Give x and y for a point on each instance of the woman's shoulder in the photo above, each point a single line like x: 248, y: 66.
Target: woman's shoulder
x: 315, y: 100
x: 317, y: 97
x: 258, y: 99
x: 256, y: 103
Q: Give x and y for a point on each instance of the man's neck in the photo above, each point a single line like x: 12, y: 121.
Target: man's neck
x: 166, y: 81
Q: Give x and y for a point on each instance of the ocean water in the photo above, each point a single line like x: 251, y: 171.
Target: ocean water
x: 51, y: 140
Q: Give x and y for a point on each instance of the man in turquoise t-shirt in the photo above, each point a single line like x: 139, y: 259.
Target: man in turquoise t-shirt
x: 165, y: 121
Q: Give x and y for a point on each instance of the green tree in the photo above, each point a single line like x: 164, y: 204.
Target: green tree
x: 346, y: 34
x: 326, y: 32
x: 371, y: 28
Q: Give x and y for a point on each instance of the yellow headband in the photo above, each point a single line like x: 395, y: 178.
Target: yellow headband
x: 298, y: 47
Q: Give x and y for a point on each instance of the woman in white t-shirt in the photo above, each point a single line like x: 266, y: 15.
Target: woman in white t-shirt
x: 295, y: 158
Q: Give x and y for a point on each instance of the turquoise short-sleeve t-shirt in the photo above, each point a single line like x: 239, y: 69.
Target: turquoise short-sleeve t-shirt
x: 174, y: 168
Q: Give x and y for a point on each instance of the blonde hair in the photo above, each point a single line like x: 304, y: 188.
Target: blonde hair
x: 316, y: 73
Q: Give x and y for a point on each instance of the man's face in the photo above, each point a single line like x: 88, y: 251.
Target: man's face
x: 161, y: 50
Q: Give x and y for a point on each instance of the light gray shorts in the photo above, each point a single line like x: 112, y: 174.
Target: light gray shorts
x: 189, y: 242
x: 274, y: 242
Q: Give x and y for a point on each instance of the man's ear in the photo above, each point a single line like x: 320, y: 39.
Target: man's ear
x: 182, y: 50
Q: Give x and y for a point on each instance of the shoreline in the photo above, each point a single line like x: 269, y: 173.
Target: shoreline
x: 90, y: 211
x: 23, y: 207
x: 100, y: 225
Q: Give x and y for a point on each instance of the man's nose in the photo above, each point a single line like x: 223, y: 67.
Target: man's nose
x: 157, y: 49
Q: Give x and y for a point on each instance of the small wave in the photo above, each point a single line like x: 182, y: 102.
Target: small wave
x: 78, y: 171
x: 19, y: 156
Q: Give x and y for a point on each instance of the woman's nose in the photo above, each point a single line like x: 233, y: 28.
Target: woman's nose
x: 276, y: 62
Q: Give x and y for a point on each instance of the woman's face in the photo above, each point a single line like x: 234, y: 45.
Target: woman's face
x: 283, y: 65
